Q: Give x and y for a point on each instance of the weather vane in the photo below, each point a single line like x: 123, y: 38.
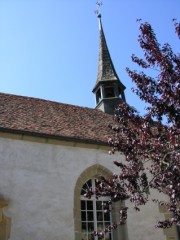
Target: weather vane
x: 98, y: 11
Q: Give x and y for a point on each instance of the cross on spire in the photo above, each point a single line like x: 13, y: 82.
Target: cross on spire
x: 98, y: 11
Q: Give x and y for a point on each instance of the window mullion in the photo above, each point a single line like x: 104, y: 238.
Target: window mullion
x: 94, y: 207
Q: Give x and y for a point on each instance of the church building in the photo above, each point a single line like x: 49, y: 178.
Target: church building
x: 50, y: 153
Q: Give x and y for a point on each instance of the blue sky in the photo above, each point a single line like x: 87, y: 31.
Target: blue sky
x: 49, y: 48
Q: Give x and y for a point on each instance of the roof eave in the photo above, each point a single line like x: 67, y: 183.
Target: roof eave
x: 108, y: 81
x: 56, y: 137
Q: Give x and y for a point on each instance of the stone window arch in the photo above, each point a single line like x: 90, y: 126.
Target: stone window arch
x: 88, y: 175
x: 5, y: 222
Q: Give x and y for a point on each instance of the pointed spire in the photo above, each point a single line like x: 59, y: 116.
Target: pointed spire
x: 106, y: 70
x: 108, y: 88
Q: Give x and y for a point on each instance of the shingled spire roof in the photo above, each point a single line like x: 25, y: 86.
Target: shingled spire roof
x: 106, y: 70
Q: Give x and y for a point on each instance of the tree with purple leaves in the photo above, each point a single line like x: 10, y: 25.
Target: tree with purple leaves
x: 150, y: 143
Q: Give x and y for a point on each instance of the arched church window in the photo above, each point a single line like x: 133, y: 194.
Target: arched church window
x: 93, y: 215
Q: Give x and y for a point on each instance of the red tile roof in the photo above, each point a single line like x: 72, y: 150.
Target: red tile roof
x: 46, y: 118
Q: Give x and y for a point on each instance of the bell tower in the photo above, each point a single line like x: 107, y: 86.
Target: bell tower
x: 108, y: 89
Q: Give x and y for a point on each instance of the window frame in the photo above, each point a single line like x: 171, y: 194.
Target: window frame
x: 94, y: 209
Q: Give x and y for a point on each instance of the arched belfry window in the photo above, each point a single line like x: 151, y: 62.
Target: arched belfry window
x: 98, y: 96
x: 94, y: 214
x: 109, y: 91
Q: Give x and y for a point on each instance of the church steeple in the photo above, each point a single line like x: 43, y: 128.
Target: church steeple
x: 108, y: 89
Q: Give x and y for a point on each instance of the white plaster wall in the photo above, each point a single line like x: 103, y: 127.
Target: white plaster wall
x: 39, y: 179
